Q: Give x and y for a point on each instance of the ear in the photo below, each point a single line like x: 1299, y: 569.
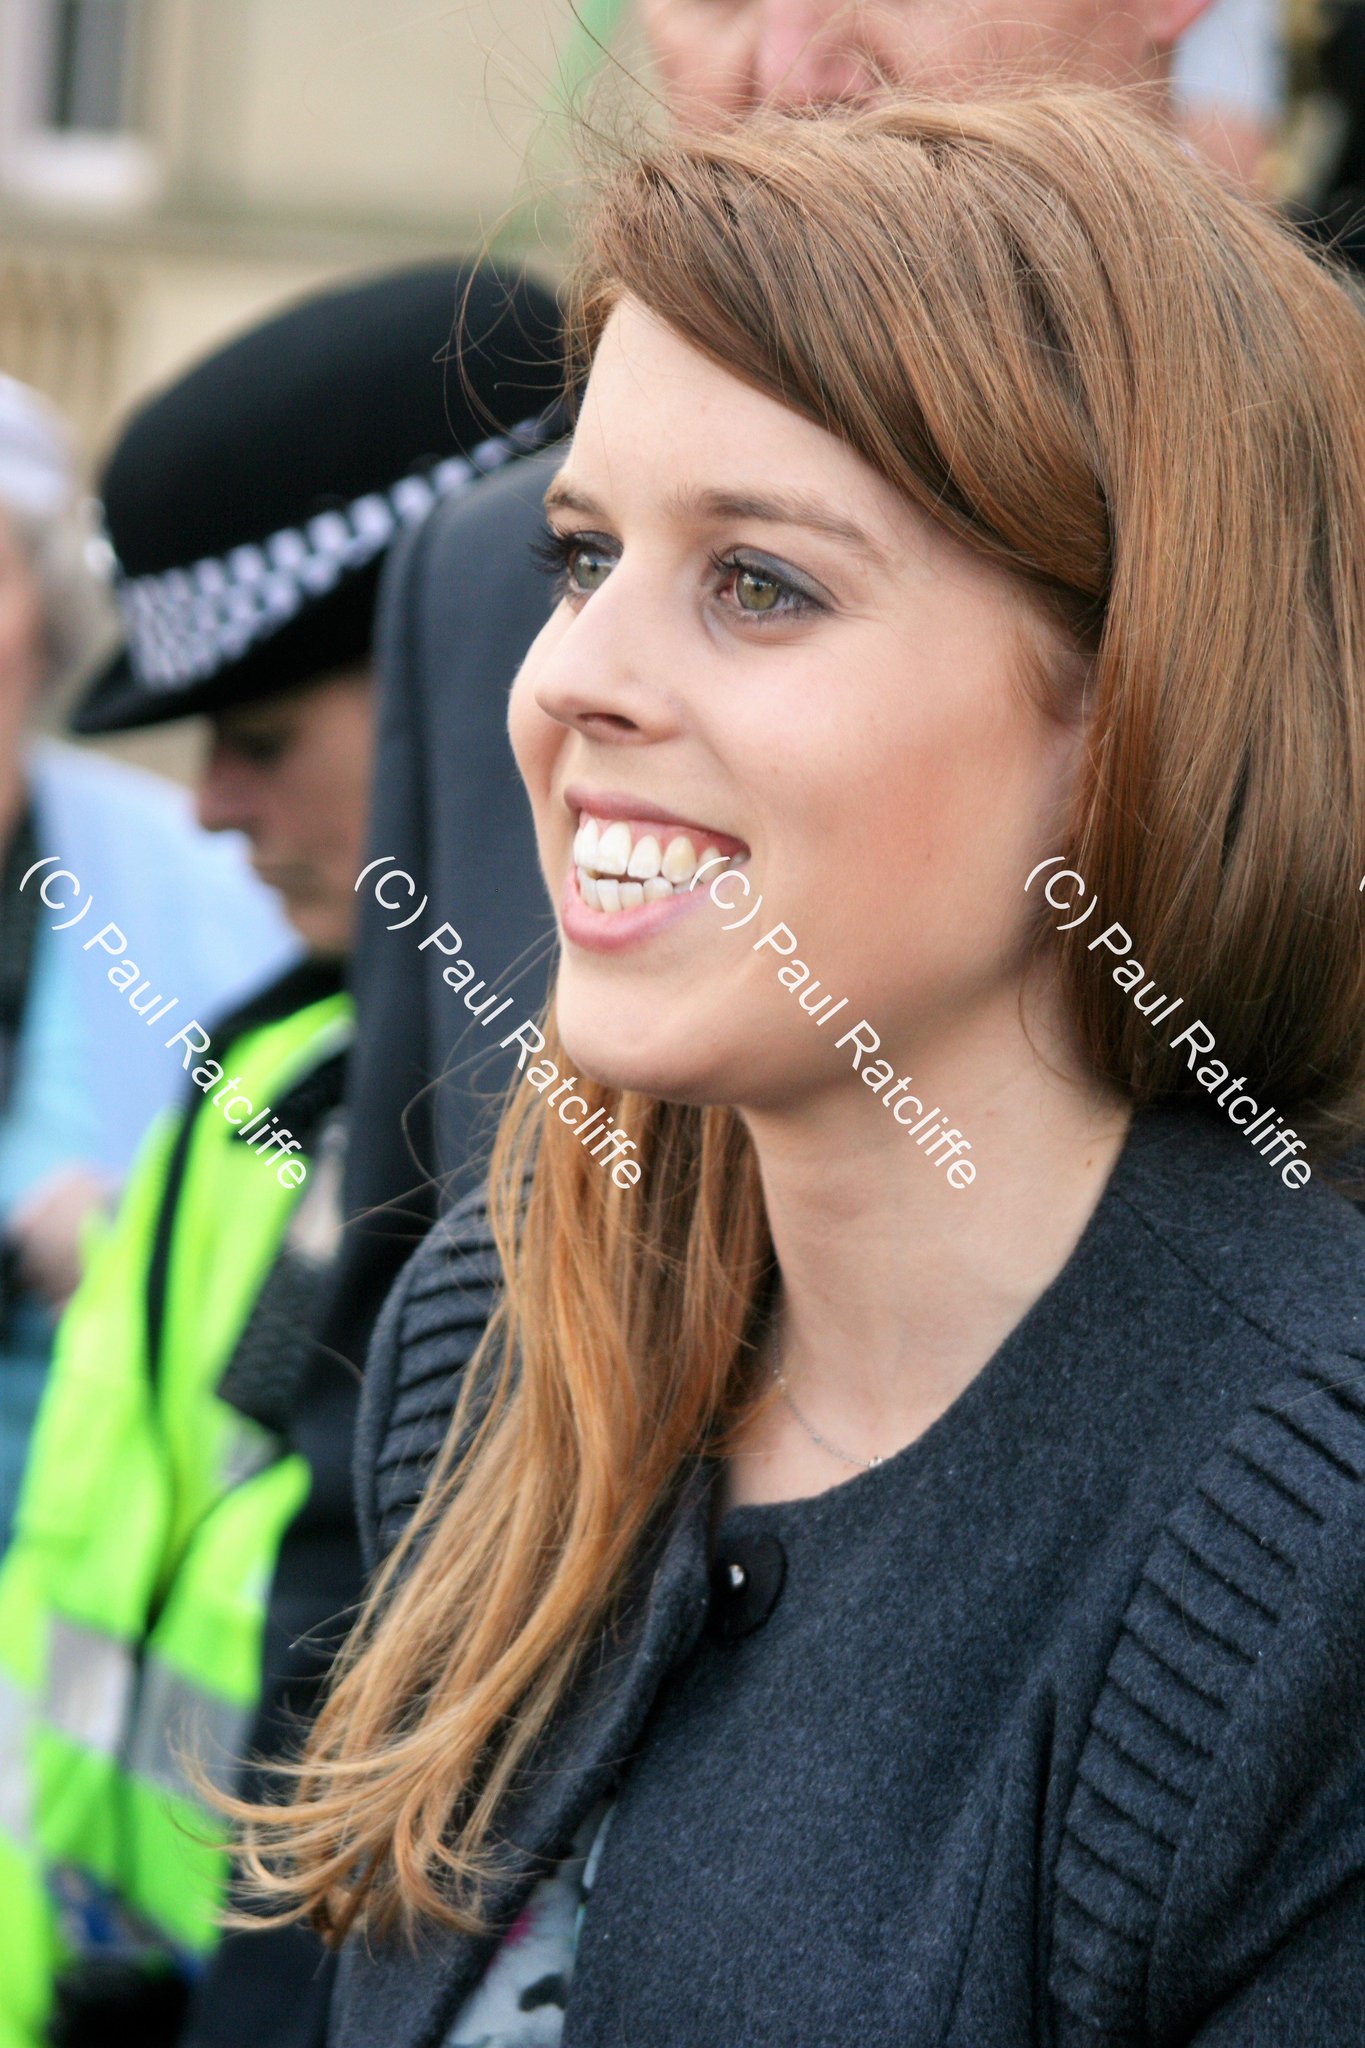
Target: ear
x: 1169, y: 20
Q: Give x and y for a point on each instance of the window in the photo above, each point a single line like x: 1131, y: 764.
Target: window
x: 70, y: 72
x: 88, y: 66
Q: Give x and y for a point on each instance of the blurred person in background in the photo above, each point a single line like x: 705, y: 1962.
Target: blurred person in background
x: 248, y: 508
x: 81, y: 1077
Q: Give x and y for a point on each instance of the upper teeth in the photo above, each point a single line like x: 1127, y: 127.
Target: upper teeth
x: 645, y: 858
x: 611, y: 851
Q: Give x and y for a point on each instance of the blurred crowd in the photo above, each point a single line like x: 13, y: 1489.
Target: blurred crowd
x: 236, y: 1086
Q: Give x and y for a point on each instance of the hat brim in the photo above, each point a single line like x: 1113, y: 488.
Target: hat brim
x: 334, y: 633
x: 117, y: 702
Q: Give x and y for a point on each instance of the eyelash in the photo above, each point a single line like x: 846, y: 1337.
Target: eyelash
x: 554, y: 553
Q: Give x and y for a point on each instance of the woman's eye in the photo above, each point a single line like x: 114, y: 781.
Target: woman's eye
x: 757, y: 592
x: 588, y: 569
x: 580, y: 563
x: 577, y: 564
x: 762, y: 593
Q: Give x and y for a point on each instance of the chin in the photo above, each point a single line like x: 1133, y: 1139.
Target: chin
x: 613, y: 1060
x: 318, y: 932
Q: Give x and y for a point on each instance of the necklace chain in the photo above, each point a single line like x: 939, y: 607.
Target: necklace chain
x: 863, y: 1464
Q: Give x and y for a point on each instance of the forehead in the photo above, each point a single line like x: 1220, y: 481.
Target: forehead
x: 662, y: 418
x: 670, y: 441
x: 865, y: 17
x: 931, y: 43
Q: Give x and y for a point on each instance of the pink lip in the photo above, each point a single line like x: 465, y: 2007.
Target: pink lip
x: 603, y: 931
x: 636, y: 811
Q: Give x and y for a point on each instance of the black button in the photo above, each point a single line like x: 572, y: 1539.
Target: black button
x: 746, y: 1579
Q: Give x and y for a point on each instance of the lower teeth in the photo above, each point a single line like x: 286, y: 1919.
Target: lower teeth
x: 615, y: 892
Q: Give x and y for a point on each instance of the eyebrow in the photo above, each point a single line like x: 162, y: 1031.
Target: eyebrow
x: 784, y: 508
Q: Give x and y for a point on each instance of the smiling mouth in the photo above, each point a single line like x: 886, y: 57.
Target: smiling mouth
x: 621, y: 864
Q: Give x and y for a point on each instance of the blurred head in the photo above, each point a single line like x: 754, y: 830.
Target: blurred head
x: 54, y: 614
x: 249, y: 507
x: 23, y: 638
x: 250, y: 504
x: 293, y: 773
x: 729, y: 56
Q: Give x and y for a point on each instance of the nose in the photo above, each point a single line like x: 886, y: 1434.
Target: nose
x: 227, y: 795
x: 807, y: 51
x: 603, y: 676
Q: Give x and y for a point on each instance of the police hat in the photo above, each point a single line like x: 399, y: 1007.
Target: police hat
x: 248, y: 508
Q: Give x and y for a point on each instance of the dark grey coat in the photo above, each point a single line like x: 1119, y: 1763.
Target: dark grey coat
x: 1050, y: 1730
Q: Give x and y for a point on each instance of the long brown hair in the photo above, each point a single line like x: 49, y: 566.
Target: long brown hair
x: 1097, y: 365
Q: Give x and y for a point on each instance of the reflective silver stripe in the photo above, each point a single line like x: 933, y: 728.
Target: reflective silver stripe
x: 178, y: 1723
x: 16, y: 1720
x: 89, y: 1685
x: 251, y: 1449
x: 151, y: 1724
x: 183, y: 624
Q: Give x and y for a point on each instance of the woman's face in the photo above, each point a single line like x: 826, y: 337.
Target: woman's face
x: 763, y: 651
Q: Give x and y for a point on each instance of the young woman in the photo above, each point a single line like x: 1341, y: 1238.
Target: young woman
x: 862, y: 1599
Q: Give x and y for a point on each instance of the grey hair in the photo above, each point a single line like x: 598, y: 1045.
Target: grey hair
x: 80, y: 620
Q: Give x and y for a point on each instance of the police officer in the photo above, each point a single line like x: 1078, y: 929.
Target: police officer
x: 248, y: 510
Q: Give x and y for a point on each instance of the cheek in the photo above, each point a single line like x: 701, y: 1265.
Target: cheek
x: 21, y: 635
x: 297, y: 808
x: 321, y: 794
x: 923, y: 820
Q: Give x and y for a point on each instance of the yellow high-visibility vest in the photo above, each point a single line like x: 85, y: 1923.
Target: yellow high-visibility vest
x: 132, y: 1598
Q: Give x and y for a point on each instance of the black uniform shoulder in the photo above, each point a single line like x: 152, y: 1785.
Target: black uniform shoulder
x: 426, y: 1334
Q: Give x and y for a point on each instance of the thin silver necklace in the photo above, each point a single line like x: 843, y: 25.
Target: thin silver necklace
x: 863, y: 1464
